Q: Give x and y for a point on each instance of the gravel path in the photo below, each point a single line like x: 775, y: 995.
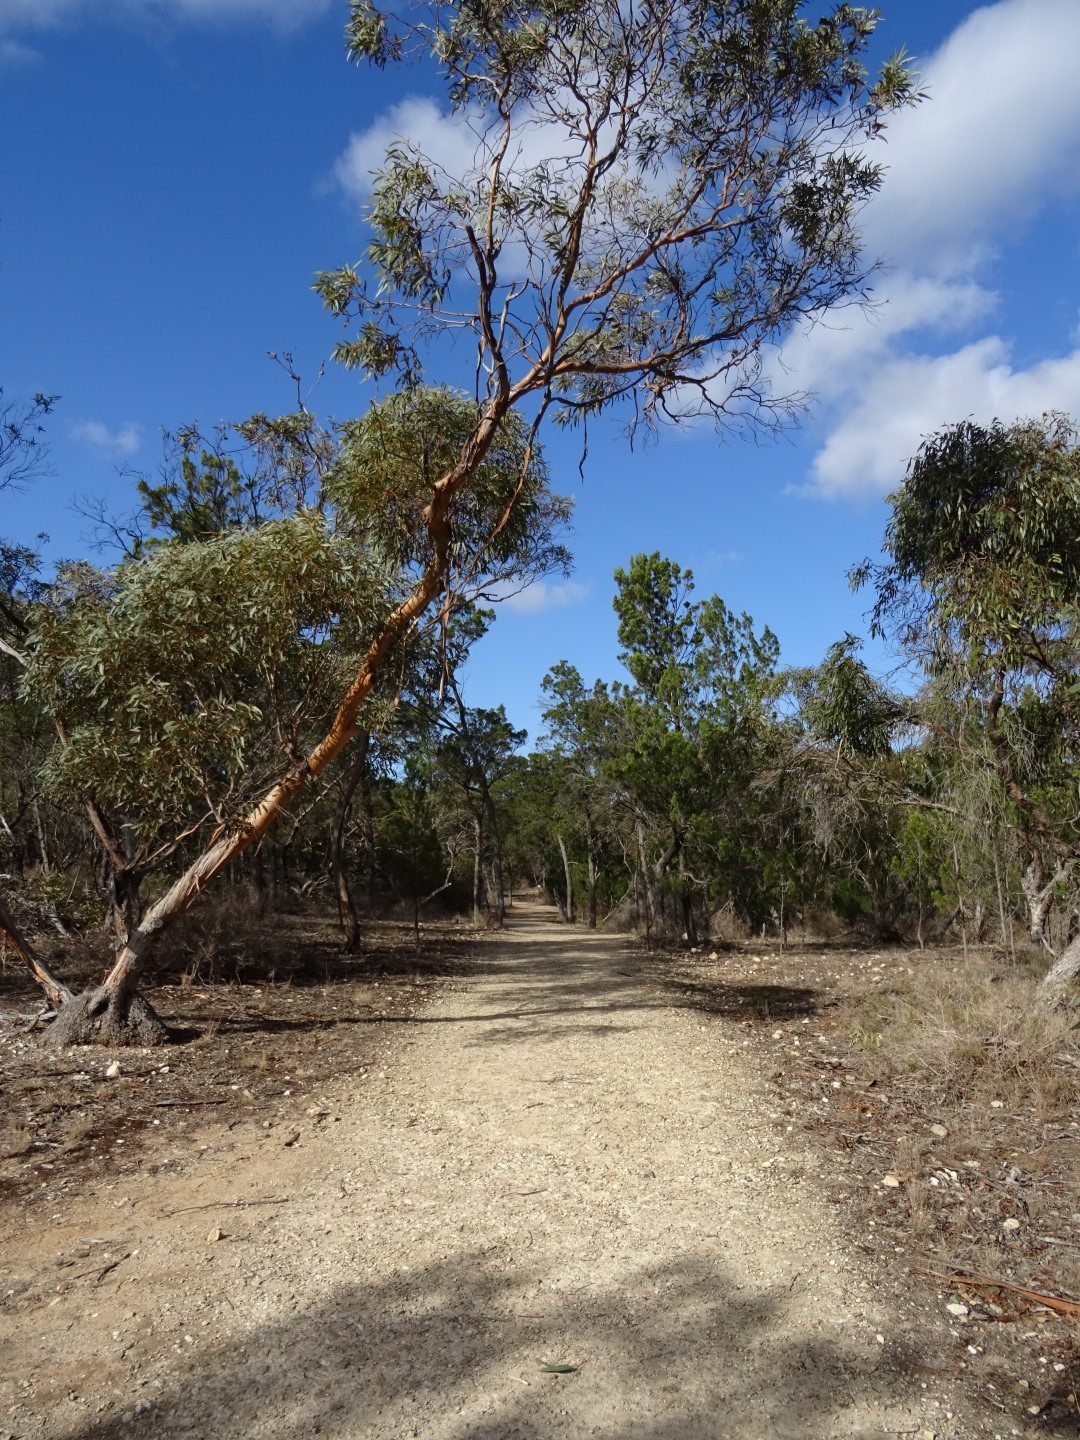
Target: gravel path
x: 552, y: 1164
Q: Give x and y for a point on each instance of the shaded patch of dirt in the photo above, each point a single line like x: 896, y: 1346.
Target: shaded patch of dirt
x: 945, y: 1187
x: 292, y: 1014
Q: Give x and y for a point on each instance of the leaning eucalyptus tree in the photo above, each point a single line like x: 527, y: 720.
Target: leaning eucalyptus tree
x: 189, y: 677
x: 657, y: 191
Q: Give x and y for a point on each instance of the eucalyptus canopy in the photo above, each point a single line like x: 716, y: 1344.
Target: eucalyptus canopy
x: 653, y: 191
x: 981, y: 586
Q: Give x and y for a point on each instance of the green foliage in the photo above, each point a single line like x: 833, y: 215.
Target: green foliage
x: 410, y: 853
x: 653, y: 196
x: 844, y: 704
x: 391, y: 460
x: 239, y: 476
x: 182, y: 676
x: 23, y: 447
x: 984, y: 542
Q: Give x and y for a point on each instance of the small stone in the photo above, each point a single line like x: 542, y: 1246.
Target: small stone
x: 958, y: 1311
x: 1010, y: 1224
x: 113, y: 1070
x: 939, y: 1130
x: 891, y: 1182
x: 214, y: 1236
x: 997, y: 1104
x: 291, y: 1138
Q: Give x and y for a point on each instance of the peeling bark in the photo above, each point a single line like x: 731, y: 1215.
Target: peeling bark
x: 1055, y: 987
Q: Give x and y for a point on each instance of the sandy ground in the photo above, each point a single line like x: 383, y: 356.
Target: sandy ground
x: 555, y: 1163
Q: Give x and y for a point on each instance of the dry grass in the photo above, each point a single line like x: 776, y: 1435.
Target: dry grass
x: 939, y: 1101
x: 973, y: 1032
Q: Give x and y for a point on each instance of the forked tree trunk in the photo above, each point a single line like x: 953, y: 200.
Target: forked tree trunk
x: 113, y: 1013
x: 1039, y: 894
x: 1055, y: 987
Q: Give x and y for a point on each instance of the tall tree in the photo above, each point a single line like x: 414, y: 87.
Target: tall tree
x: 981, y: 585
x: 657, y: 193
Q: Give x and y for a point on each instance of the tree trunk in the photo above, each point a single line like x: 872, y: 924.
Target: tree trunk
x: 1040, y: 898
x: 568, y: 910
x: 499, y: 909
x: 478, y: 850
x: 73, y: 1024
x: 39, y: 832
x: 649, y: 896
x: 1054, y: 989
x: 347, y: 916
x: 689, y: 922
x: 57, y: 992
x: 591, y: 874
x: 124, y: 886
x: 76, y: 1023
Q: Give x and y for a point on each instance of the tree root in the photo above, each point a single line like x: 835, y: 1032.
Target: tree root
x: 106, y: 1017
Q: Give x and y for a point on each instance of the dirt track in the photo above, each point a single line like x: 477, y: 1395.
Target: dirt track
x: 552, y: 1163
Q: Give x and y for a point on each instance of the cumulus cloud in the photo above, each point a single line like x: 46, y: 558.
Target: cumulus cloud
x: 911, y: 396
x: 996, y: 144
x: 418, y: 120
x: 998, y: 136
x: 542, y: 595
x: 36, y: 15
x: 13, y: 53
x: 119, y: 444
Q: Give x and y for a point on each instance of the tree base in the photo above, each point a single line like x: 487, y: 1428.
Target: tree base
x: 103, y: 1017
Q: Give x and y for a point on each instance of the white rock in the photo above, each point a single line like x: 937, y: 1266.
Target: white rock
x: 1010, y: 1224
x: 891, y: 1182
x: 958, y: 1310
x: 938, y: 1130
x: 113, y: 1071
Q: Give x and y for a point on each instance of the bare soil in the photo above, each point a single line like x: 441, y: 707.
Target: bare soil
x: 378, y: 1205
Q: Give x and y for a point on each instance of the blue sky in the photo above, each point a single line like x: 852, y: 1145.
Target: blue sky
x: 177, y: 170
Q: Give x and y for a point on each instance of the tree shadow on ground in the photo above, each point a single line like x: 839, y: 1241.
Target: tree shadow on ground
x: 451, y: 1349
x: 751, y: 1001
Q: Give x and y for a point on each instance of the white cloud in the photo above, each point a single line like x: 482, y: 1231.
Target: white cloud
x: 998, y: 136
x: 542, y: 596
x: 119, y: 443
x: 910, y: 397
x: 997, y: 142
x: 13, y: 53
x: 828, y: 356
x: 443, y: 139
x: 36, y: 15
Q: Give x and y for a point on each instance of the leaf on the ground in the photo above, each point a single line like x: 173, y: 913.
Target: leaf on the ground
x: 549, y: 1369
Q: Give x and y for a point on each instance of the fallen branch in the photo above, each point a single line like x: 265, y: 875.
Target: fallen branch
x: 1064, y: 1305
x: 102, y: 1270
x: 227, y: 1205
x: 158, y: 1104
